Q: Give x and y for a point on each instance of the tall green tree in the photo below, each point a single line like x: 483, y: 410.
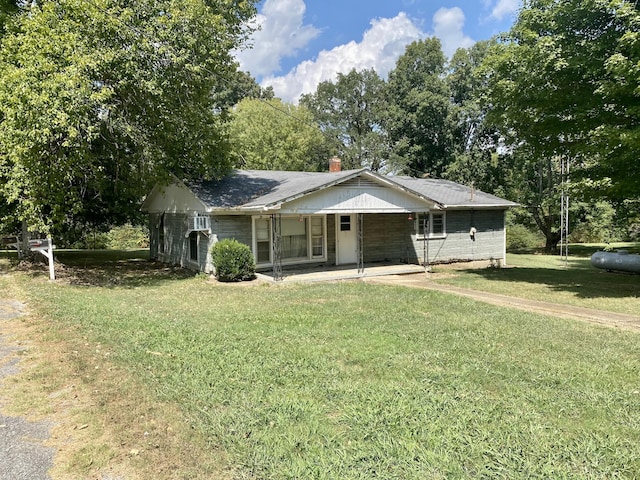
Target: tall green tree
x: 421, y: 121
x: 475, y: 141
x: 350, y: 112
x: 535, y: 183
x: 98, y: 99
x: 565, y: 81
x: 273, y: 135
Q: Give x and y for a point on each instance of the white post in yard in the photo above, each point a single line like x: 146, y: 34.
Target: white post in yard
x: 45, y: 247
x: 52, y: 273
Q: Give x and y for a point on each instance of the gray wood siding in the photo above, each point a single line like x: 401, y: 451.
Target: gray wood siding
x: 387, y: 237
x: 176, y: 245
x: 154, y: 218
x: 238, y: 227
x: 393, y: 238
x: 488, y: 244
x: 232, y: 226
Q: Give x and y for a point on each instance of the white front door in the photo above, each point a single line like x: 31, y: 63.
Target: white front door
x: 346, y: 239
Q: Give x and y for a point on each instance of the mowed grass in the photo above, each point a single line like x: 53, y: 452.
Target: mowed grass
x: 552, y: 279
x: 350, y: 380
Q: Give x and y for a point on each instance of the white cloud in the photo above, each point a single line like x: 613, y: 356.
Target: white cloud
x: 282, y: 34
x: 379, y: 49
x: 447, y: 26
x: 504, y: 8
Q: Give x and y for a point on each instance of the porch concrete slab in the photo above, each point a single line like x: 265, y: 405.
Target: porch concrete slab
x: 324, y: 274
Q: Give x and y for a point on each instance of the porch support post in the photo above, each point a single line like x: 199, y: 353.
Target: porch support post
x: 425, y: 242
x: 360, y: 241
x: 276, y: 245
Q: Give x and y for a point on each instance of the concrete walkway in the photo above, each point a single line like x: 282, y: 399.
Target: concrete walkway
x: 22, y: 455
x: 611, y: 319
x: 320, y: 274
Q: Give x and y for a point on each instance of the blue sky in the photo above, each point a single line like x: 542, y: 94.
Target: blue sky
x: 304, y: 42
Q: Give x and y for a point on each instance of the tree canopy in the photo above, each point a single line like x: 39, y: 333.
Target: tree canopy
x: 272, y: 135
x: 350, y: 112
x: 420, y: 123
x: 98, y: 99
x: 565, y: 81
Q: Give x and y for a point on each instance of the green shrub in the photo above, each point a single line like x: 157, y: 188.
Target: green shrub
x: 233, y: 261
x: 128, y: 237
x: 520, y: 238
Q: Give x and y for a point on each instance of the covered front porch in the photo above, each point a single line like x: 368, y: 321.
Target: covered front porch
x: 327, y: 273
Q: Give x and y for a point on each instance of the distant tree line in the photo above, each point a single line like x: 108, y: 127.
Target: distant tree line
x: 98, y: 101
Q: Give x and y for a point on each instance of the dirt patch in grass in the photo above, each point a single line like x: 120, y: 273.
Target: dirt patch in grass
x: 106, y: 424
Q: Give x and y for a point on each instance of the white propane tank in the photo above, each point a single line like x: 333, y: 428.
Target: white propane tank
x: 620, y: 260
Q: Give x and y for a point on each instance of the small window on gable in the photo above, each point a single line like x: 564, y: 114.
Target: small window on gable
x: 193, y: 246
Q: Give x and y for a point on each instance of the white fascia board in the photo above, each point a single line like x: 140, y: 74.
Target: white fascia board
x: 477, y: 207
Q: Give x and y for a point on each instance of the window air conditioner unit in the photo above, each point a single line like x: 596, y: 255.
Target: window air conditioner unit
x: 199, y: 224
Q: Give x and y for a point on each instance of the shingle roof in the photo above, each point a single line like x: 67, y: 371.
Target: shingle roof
x: 451, y: 194
x: 249, y: 188
x: 246, y: 189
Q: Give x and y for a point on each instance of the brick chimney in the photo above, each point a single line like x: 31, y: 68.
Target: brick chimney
x: 335, y: 164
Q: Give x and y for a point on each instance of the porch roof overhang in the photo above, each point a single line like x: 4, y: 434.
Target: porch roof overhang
x: 378, y: 195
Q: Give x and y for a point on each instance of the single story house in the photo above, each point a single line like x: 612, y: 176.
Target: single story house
x: 353, y: 217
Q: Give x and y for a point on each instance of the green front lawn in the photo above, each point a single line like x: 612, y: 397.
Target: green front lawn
x: 351, y: 380
x: 551, y: 279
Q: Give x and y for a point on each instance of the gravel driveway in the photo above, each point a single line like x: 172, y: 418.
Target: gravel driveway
x: 22, y: 453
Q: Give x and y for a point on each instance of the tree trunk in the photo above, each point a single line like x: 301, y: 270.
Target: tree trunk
x: 551, y: 245
x: 546, y: 223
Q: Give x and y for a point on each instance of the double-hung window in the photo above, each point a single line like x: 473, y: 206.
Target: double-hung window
x: 302, y: 238
x: 432, y: 224
x: 262, y: 237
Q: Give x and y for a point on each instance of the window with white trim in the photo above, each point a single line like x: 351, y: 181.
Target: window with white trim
x: 262, y: 250
x: 293, y: 238
x: 317, y: 237
x: 434, y: 222
x: 302, y: 238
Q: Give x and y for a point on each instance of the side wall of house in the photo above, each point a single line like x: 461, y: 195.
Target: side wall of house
x: 489, y: 240
x: 393, y: 238
x: 387, y: 237
x: 154, y: 220
x: 176, y: 248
